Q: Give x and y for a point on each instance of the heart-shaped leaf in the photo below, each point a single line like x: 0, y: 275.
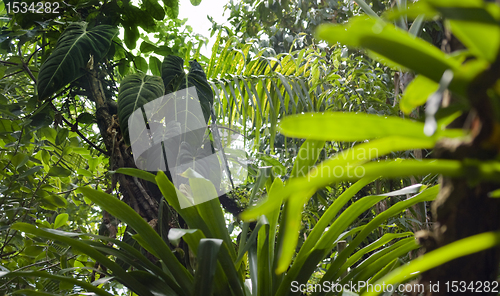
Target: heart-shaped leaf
x: 174, y: 79
x: 135, y: 91
x: 71, y: 55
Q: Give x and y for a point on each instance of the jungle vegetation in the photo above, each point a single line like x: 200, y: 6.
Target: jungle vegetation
x: 370, y: 132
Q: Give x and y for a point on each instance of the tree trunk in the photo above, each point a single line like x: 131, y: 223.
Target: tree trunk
x: 132, y: 189
x: 463, y: 207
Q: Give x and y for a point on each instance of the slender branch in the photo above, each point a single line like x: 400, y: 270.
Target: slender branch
x: 8, y: 254
x: 70, y: 190
x: 37, y: 50
x: 25, y: 66
x: 9, y: 63
x: 74, y: 127
x: 24, y: 267
x: 58, y: 94
x: 7, y: 239
x: 17, y: 148
x: 83, y: 137
x: 35, y: 264
x: 55, y: 264
x: 130, y: 56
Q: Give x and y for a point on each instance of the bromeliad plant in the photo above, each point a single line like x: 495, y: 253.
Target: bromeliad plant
x: 217, y: 267
x: 472, y: 76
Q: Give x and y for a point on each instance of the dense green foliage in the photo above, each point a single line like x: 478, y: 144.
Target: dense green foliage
x: 340, y: 177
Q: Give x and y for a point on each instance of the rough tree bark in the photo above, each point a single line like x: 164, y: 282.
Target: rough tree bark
x: 463, y: 207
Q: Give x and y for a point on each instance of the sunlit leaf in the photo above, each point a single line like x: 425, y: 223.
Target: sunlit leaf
x: 61, y: 220
x: 391, y: 45
x: 460, y: 248
x: 349, y: 126
x: 417, y: 93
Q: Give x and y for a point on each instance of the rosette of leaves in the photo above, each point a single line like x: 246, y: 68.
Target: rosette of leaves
x: 72, y: 53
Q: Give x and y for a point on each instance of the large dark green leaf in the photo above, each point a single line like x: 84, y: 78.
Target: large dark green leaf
x: 154, y: 9
x: 141, y: 64
x: 172, y: 7
x: 174, y: 79
x: 172, y: 71
x: 71, y: 55
x: 147, y: 47
x: 155, y: 65
x: 198, y: 79
x: 134, y: 16
x: 136, y: 90
x: 131, y: 35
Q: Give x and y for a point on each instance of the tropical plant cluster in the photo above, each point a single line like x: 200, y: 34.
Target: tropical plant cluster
x: 369, y: 130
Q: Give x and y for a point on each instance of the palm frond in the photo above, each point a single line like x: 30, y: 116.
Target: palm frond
x: 254, y: 90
